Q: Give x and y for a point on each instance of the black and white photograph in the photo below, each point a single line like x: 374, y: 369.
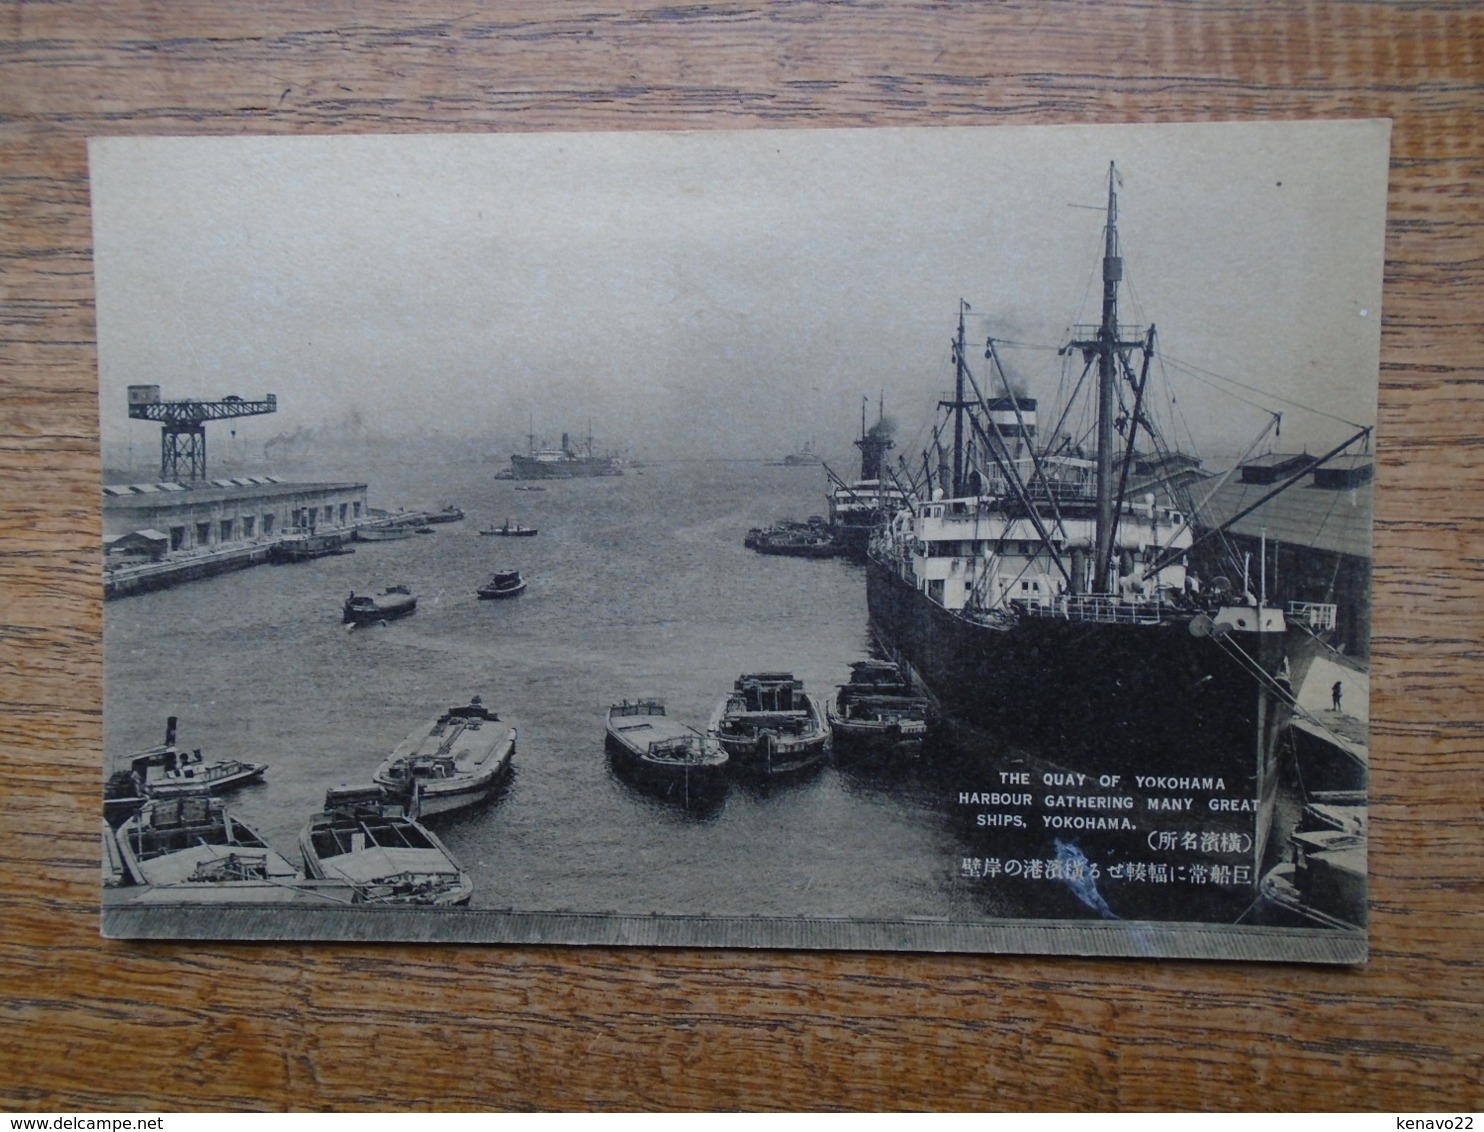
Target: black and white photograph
x: 930, y: 539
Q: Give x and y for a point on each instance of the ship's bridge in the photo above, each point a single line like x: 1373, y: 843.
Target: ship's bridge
x: 971, y: 552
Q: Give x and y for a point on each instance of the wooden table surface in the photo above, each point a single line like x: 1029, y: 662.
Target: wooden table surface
x: 93, y: 1025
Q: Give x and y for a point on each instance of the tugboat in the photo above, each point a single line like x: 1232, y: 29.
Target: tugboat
x: 663, y: 755
x: 166, y: 771
x: 769, y: 726
x: 370, y: 609
x: 457, y: 760
x: 505, y: 583
x: 878, y: 713
x: 363, y: 839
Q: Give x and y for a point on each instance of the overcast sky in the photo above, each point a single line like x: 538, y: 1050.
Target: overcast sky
x: 727, y: 293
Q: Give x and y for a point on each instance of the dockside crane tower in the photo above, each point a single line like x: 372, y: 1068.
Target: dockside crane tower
x: 183, y: 426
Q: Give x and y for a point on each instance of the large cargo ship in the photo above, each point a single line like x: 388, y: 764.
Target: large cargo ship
x: 1048, y: 597
x: 562, y: 463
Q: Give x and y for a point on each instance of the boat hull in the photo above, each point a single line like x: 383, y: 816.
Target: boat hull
x: 1103, y: 692
x: 488, y: 594
x: 1142, y: 706
x: 876, y: 739
x: 694, y: 774
x: 194, y: 846
x: 445, y: 800
x: 852, y: 539
x: 417, y: 869
x: 821, y: 548
x: 381, y: 609
x: 215, y: 777
x: 572, y: 467
x: 473, y: 768
x: 303, y: 548
x: 383, y: 534
x: 758, y: 747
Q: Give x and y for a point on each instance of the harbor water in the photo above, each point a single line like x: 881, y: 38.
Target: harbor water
x: 639, y: 586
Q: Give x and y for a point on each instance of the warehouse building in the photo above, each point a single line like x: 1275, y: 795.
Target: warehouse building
x: 166, y: 519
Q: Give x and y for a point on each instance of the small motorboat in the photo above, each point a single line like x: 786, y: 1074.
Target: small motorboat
x: 371, y: 843
x: 457, y: 760
x: 511, y: 530
x: 505, y: 583
x: 165, y: 770
x: 369, y: 609
x: 768, y: 725
x: 664, y: 755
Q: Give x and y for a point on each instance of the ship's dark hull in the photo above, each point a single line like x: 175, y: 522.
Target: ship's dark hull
x: 852, y: 538
x: 1150, y: 702
x: 575, y: 467
x: 692, y: 785
x: 381, y: 610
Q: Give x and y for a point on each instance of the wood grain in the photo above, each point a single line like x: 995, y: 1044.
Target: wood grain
x: 88, y: 1024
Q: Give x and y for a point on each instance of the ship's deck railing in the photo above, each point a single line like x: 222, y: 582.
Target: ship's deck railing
x: 1101, y: 608
x: 1089, y: 332
x: 1316, y: 615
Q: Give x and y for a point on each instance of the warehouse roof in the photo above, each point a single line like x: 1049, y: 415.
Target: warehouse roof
x: 152, y: 495
x: 1336, y: 519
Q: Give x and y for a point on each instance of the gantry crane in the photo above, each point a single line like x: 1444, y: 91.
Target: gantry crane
x: 183, y: 426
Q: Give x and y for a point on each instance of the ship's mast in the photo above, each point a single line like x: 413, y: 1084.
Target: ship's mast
x: 958, y: 405
x: 1107, y: 377
x: 1103, y: 343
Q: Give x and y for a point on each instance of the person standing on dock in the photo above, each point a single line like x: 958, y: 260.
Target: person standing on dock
x: 1336, y: 692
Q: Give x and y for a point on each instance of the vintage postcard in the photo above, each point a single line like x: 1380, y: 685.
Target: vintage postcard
x: 913, y: 539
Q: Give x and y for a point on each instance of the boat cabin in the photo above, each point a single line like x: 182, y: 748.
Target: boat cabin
x: 771, y: 692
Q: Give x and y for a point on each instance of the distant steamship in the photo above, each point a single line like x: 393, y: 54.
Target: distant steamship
x: 561, y: 463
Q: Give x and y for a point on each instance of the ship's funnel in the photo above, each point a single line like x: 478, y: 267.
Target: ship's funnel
x: 1014, y: 416
x: 873, y: 446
